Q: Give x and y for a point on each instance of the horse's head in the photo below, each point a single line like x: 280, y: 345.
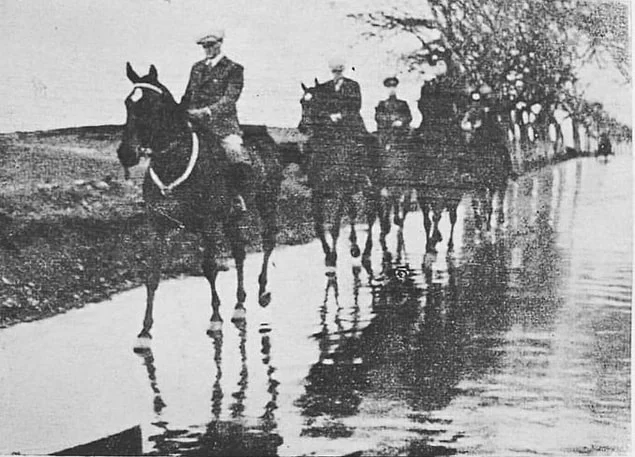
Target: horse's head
x: 313, y: 107
x: 151, y: 116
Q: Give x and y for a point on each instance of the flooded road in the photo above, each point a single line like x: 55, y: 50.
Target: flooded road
x: 515, y: 343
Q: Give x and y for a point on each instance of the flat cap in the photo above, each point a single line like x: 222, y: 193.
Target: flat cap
x: 391, y: 81
x: 337, y: 63
x: 211, y: 36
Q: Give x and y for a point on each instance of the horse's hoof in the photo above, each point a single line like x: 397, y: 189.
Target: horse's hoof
x: 143, y: 343
x: 214, y: 327
x: 240, y: 313
x: 387, y: 257
x: 265, y: 299
x: 450, y: 246
x: 355, y: 252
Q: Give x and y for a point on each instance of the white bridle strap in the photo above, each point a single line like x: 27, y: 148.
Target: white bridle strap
x: 188, y: 171
x: 148, y: 86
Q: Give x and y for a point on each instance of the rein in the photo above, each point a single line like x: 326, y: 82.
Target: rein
x: 148, y: 86
x: 166, y: 189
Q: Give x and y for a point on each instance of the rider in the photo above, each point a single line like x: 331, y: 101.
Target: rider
x: 392, y: 115
x: 210, y: 99
x: 344, y: 100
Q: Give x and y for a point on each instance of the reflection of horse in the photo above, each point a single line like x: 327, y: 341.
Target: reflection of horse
x: 220, y: 437
x: 340, y: 166
x: 185, y: 187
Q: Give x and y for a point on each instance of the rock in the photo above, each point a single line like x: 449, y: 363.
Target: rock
x: 101, y: 185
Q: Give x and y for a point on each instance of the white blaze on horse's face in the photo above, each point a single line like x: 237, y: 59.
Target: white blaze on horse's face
x: 307, y: 97
x: 136, y: 95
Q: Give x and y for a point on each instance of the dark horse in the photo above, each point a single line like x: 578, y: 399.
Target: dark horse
x: 430, y: 161
x: 490, y: 161
x: 185, y: 187
x: 604, y: 147
x: 341, y: 165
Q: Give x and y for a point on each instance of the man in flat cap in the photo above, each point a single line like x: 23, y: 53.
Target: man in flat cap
x: 345, y: 100
x: 210, y: 98
x: 393, y: 115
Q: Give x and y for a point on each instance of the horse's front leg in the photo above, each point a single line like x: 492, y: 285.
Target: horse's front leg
x: 331, y: 258
x: 371, y: 209
x: 267, y: 206
x: 427, y: 223
x: 212, y: 250
x: 154, y: 246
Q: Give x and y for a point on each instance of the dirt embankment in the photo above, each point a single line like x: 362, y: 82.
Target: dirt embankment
x: 71, y: 229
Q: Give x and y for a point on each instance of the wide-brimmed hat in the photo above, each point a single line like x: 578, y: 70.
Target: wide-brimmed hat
x: 391, y: 81
x: 211, y: 36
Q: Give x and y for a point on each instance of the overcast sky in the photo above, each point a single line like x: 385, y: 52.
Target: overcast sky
x: 64, y: 61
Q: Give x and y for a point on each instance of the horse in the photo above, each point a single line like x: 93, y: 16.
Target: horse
x: 490, y: 161
x: 604, y: 147
x: 430, y: 162
x: 340, y: 166
x: 185, y: 187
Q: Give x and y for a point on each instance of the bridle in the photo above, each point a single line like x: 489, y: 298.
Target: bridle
x: 167, y: 188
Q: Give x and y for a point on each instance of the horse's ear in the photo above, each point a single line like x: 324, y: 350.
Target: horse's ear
x: 132, y: 75
x: 304, y: 88
x: 317, y: 83
x: 153, y: 72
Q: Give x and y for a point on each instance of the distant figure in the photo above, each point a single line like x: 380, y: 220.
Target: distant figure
x: 210, y: 98
x: 604, y: 146
x: 344, y: 101
x: 392, y: 114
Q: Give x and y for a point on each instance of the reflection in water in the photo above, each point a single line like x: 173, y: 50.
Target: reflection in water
x: 515, y: 343
x: 221, y: 437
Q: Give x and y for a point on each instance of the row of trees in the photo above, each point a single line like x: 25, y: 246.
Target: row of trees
x: 527, y: 51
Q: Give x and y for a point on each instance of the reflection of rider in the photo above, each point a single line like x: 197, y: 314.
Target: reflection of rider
x: 210, y: 98
x: 392, y: 115
x: 344, y: 100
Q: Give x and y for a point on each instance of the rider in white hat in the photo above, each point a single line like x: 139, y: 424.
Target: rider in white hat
x: 345, y: 99
x: 210, y: 98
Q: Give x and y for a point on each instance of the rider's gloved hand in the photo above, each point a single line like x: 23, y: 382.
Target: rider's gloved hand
x: 397, y: 123
x: 336, y: 117
x: 198, y: 113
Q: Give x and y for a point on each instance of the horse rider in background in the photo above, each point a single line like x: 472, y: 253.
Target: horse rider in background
x: 214, y: 87
x: 344, y: 102
x: 393, y: 116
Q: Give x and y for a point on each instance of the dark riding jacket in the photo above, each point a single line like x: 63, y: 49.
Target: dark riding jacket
x: 390, y: 110
x: 347, y: 101
x: 217, y: 87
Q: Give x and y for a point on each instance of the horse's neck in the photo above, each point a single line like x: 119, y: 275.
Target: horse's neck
x: 175, y: 156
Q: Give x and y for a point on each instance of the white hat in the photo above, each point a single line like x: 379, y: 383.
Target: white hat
x: 211, y: 36
x: 337, y: 63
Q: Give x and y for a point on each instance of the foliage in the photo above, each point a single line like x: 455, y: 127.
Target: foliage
x: 526, y: 50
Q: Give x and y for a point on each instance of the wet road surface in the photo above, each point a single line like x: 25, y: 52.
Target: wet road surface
x: 517, y: 343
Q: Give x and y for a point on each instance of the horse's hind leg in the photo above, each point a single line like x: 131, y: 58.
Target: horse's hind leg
x: 452, y: 208
x: 154, y: 247
x: 352, y: 216
x: 317, y: 205
x: 212, y: 251
x: 371, y: 207
x: 234, y: 233
x: 267, y: 205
